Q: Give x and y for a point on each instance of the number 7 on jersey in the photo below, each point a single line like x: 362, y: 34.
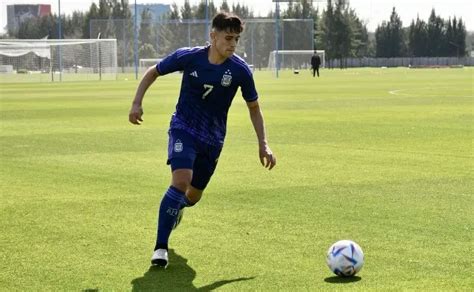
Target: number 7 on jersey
x: 208, y: 89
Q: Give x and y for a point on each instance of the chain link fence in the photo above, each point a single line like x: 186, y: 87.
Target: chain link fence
x: 260, y: 37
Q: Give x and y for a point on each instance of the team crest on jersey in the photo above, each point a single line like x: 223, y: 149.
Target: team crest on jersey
x: 178, y: 146
x: 226, y: 78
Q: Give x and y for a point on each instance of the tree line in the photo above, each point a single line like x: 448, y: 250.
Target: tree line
x: 435, y: 38
x: 337, y: 29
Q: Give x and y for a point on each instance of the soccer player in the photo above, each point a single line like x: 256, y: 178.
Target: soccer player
x: 211, y: 77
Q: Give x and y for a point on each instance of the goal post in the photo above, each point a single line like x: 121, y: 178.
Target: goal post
x: 293, y: 59
x: 58, y: 60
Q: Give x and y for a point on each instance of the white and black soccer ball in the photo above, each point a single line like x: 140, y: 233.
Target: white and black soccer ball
x: 345, y: 258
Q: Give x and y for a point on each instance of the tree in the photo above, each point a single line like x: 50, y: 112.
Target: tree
x: 326, y: 34
x: 306, y: 9
x: 28, y: 29
x: 104, y: 9
x: 186, y: 11
x: 346, y: 30
x: 360, y: 36
x: 342, y: 32
x: 417, y: 38
x: 457, y: 41
x: 174, y: 13
x: 147, y: 51
x: 435, y: 33
x: 316, y: 20
x: 146, y: 33
x: 437, y: 38
x: 147, y: 36
x: 224, y: 6
x: 390, y: 37
x: 92, y: 14
x: 200, y: 11
x: 75, y: 25
x: 242, y: 11
x: 291, y: 31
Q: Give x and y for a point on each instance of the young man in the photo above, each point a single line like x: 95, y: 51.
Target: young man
x: 315, y: 63
x: 211, y: 77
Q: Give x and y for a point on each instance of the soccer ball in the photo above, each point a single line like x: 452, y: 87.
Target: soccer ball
x: 345, y: 258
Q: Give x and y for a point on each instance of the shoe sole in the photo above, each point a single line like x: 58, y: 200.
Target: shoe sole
x: 160, y: 263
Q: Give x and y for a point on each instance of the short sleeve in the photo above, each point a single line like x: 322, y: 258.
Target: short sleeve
x: 249, y: 92
x: 173, y: 62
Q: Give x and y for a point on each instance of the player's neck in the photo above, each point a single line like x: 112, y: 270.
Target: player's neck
x: 214, y: 57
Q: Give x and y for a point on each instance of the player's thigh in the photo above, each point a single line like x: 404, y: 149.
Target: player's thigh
x: 181, y: 157
x: 204, y: 166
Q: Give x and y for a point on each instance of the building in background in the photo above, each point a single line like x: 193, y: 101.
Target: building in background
x: 18, y: 13
x: 156, y: 10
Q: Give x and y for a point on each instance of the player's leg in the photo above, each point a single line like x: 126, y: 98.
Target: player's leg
x: 204, y: 166
x: 317, y: 70
x: 196, y: 181
x: 181, y: 156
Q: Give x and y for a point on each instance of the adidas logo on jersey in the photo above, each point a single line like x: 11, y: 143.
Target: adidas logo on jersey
x: 194, y: 74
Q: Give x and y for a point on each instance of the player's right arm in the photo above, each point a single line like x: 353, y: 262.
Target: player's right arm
x: 172, y: 63
x: 136, y: 112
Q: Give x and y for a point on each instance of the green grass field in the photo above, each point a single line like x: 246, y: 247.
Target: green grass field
x: 382, y: 157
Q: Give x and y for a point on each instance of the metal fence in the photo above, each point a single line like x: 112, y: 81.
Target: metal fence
x: 257, y: 41
x: 402, y: 62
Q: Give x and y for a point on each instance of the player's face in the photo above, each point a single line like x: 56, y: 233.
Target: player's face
x: 225, y: 42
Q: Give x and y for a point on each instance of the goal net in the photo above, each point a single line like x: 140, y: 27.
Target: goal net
x: 57, y: 60
x: 146, y: 63
x: 293, y: 59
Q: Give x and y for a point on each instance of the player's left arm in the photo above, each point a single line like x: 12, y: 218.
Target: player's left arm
x: 267, y: 158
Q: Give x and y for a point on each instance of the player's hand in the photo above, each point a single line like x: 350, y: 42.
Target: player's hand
x: 267, y: 158
x: 135, y: 115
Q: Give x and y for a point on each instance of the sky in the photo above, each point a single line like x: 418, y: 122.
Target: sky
x: 373, y: 12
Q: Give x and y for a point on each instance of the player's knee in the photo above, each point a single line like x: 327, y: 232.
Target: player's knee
x: 181, y: 185
x: 182, y: 179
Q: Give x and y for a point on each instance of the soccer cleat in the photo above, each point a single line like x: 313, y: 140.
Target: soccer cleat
x: 178, y: 218
x: 160, y: 258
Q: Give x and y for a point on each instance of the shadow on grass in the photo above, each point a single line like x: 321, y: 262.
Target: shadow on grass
x: 178, y: 276
x: 342, y: 280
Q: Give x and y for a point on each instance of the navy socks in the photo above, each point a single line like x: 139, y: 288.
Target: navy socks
x: 171, y: 203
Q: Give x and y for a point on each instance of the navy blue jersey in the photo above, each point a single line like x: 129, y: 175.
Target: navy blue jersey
x: 207, y: 91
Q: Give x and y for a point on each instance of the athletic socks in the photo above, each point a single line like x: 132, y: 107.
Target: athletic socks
x: 171, y: 203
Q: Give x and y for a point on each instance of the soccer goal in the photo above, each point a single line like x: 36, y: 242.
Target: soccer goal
x: 58, y: 60
x: 144, y: 64
x: 293, y: 59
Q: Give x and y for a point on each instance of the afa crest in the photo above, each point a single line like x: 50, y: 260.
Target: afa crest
x: 226, y: 78
x: 178, y: 146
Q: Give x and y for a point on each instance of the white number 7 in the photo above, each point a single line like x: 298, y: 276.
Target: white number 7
x: 208, y: 90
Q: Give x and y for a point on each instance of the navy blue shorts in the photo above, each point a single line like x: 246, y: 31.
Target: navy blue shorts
x: 187, y: 152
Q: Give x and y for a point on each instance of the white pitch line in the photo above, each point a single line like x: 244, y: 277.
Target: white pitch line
x: 398, y: 92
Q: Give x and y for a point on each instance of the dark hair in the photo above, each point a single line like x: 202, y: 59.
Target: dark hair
x: 225, y: 21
